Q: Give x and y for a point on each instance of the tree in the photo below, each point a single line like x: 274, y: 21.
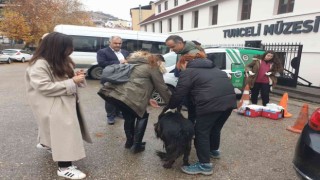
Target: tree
x: 30, y: 19
x: 15, y: 26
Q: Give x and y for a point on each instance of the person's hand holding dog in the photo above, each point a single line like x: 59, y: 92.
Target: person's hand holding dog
x: 154, y: 103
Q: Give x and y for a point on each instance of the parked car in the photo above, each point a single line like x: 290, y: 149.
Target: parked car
x: 306, y: 160
x: 5, y: 58
x: 230, y: 60
x: 18, y: 54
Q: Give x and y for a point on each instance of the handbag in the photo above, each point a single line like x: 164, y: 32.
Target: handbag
x: 117, y: 73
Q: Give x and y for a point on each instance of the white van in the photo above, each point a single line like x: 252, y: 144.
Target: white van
x: 88, y: 40
x: 231, y: 60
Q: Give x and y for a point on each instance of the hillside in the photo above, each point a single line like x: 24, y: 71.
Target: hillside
x: 102, y: 16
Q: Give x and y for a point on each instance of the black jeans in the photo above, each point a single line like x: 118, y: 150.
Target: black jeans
x: 112, y: 110
x: 265, y: 90
x: 129, y: 115
x: 207, y: 133
x: 64, y: 164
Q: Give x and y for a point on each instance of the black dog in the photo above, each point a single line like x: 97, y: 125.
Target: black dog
x: 176, y: 132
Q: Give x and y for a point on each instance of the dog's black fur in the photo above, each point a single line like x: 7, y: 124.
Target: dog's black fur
x: 176, y: 132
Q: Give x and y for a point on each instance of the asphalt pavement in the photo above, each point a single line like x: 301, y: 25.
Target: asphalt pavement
x: 251, y: 148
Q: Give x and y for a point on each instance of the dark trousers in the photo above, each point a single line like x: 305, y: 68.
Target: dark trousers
x: 264, y: 88
x: 207, y: 133
x: 130, y: 117
x: 112, y: 110
x: 64, y: 164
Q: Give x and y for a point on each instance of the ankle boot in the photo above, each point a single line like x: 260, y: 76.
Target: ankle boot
x: 141, y: 125
x: 129, y: 141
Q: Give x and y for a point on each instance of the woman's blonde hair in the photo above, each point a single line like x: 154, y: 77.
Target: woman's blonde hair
x: 151, y: 58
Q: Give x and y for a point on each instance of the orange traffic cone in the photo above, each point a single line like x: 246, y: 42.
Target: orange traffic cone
x: 284, y: 103
x: 245, y: 99
x: 301, y: 121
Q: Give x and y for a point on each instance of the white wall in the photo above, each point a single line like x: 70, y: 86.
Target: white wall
x: 263, y: 12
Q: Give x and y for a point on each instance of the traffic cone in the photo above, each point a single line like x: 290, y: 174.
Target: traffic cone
x: 245, y: 99
x: 301, y: 121
x: 284, y: 103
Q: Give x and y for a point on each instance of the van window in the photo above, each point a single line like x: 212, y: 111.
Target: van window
x: 153, y: 47
x: 85, y: 44
x: 104, y: 42
x: 219, y: 59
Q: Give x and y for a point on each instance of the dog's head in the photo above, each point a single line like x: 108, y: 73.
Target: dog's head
x: 165, y: 112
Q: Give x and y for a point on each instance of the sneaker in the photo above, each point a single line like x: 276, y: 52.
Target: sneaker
x: 111, y: 120
x: 40, y: 146
x: 71, y: 172
x: 198, y: 168
x: 215, y: 154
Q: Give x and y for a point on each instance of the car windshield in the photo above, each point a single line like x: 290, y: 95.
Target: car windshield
x: 170, y: 58
x: 9, y: 51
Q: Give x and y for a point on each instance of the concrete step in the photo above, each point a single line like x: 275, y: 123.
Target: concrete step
x: 308, y: 94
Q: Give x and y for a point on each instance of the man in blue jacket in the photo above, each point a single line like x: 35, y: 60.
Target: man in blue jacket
x: 107, y: 56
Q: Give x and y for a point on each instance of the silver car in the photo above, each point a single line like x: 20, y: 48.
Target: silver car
x: 5, y: 58
x: 18, y: 54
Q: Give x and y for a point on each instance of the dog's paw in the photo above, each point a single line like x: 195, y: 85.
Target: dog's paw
x: 167, y: 165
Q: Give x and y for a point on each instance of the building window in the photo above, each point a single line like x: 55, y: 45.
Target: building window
x: 285, y: 6
x: 153, y: 27
x: 214, y: 10
x: 159, y: 8
x: 175, y: 2
x: 246, y: 9
x: 169, y: 25
x: 195, y: 18
x: 160, y: 26
x: 181, y: 22
x: 166, y: 5
x: 187, y: 0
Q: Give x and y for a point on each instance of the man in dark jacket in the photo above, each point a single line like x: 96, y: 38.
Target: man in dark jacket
x: 107, y: 56
x: 213, y: 95
x: 180, y: 47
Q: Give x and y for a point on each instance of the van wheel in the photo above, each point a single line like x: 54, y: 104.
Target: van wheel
x: 95, y: 72
x: 156, y: 96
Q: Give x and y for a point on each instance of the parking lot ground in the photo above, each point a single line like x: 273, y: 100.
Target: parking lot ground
x: 252, y: 148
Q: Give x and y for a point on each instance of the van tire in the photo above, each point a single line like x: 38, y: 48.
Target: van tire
x: 95, y: 72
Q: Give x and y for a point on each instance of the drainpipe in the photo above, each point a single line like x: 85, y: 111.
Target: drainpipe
x: 140, y: 14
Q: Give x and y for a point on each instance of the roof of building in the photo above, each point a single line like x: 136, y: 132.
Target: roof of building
x: 174, y: 10
x: 147, y: 7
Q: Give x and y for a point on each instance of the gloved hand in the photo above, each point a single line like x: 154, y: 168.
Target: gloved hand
x: 251, y: 73
x: 268, y: 73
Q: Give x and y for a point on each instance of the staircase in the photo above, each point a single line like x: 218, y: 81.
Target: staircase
x: 309, y: 94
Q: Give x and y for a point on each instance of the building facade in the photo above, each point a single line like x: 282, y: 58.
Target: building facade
x: 214, y: 22
x: 139, y: 14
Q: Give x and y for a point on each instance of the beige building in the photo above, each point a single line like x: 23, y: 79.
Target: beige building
x: 141, y: 13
